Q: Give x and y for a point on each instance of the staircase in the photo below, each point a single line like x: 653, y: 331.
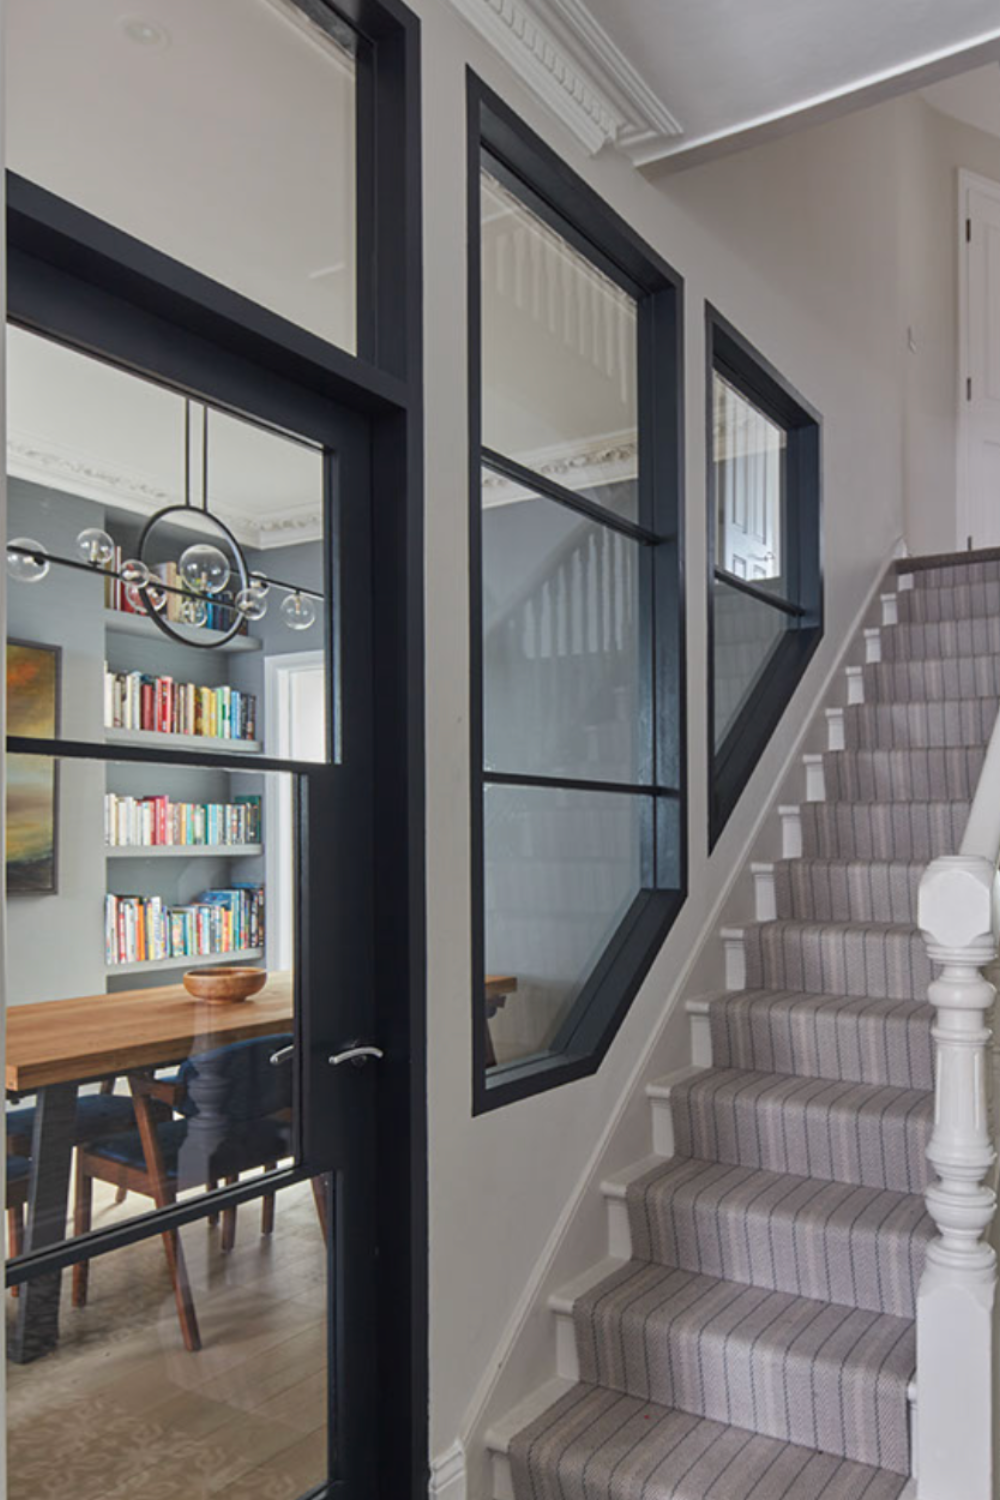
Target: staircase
x: 752, y: 1334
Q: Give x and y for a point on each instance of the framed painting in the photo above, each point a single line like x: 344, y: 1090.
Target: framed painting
x: 32, y: 781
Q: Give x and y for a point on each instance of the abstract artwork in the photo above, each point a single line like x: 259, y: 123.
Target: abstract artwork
x: 32, y: 710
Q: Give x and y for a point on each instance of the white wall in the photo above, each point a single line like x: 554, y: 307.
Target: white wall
x: 797, y: 244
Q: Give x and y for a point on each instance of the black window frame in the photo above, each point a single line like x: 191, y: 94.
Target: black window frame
x: 552, y: 191
x: 63, y: 266
x: 731, y: 355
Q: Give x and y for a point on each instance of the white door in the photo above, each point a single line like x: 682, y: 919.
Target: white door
x: 979, y: 363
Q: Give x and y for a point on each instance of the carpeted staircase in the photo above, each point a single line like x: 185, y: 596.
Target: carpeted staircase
x: 756, y: 1340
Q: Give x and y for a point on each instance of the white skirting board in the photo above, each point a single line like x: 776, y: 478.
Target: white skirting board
x: 448, y: 1474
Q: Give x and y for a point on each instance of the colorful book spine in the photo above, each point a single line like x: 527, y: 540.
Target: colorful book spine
x: 150, y: 822
x: 143, y: 929
x: 137, y: 700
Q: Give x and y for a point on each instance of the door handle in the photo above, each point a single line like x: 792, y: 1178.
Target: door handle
x: 357, y: 1053
x: 282, y: 1055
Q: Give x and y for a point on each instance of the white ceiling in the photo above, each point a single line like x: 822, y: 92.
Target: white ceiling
x: 682, y: 80
x: 974, y: 98
x: 78, y: 425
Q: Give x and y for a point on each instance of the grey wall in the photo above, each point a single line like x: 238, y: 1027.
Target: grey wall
x: 55, y: 944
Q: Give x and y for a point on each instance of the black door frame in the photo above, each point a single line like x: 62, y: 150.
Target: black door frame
x: 66, y: 271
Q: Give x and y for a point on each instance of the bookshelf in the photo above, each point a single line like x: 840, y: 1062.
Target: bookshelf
x: 183, y: 851
x: 199, y: 961
x: 117, y: 622
x: 157, y: 738
x: 179, y: 873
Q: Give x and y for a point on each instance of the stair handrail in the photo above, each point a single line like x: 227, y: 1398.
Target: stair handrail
x: 958, y: 911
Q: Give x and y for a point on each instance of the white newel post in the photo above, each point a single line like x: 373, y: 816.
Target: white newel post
x: 955, y: 1382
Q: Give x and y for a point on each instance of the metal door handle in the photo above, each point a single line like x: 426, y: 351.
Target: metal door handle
x: 355, y: 1053
x: 282, y: 1055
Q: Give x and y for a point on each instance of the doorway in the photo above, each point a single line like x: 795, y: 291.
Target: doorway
x: 241, y: 1253
x: 979, y: 362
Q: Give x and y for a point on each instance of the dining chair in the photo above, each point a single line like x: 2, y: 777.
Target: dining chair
x: 97, y: 1115
x: 233, y: 1114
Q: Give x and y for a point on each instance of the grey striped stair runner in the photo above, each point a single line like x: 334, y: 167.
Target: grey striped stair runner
x: 759, y: 1345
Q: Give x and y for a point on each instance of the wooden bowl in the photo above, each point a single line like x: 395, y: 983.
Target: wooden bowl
x: 224, y: 982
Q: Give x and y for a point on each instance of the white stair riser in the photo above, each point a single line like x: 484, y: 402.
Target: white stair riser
x: 890, y: 609
x: 764, y: 893
x: 873, y: 647
x: 855, y: 684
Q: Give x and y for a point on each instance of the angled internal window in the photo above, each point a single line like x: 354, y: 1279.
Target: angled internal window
x: 577, y: 731
x: 764, y: 524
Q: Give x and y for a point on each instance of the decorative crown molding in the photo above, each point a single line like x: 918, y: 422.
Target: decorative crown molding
x: 605, y: 460
x: 47, y: 463
x: 567, y: 58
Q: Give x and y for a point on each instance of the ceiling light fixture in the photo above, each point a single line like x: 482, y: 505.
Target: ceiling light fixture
x: 145, y: 33
x: 206, y: 573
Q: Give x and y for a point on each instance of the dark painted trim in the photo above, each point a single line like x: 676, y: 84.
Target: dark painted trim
x: 576, y: 784
x: 551, y: 190
x: 70, y: 269
x: 733, y: 763
x: 548, y: 489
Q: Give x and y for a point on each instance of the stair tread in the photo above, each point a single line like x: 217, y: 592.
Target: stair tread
x: 809, y: 1334
x: 872, y: 1134
x: 608, y: 1443
x: 858, y: 1246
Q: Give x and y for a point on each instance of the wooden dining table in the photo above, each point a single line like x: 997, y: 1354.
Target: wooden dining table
x: 54, y: 1046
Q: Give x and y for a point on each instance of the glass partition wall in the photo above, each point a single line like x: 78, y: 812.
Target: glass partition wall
x: 577, y: 817
x: 765, y: 608
x: 154, y: 605
x: 213, y: 556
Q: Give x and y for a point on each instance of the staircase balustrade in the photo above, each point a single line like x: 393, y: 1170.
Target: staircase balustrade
x: 959, y: 916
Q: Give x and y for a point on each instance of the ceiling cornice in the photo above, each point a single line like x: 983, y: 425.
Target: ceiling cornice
x: 46, y: 463
x: 568, y: 60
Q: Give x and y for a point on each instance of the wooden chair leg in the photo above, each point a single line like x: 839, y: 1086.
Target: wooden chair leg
x: 267, y: 1204
x: 121, y: 1195
x: 182, y: 1291
x: 15, y: 1236
x: 210, y: 1187
x: 322, y: 1207
x: 229, y: 1220
x: 82, y: 1217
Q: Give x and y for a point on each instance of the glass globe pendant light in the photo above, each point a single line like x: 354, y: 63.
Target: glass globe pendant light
x: 95, y: 547
x: 27, y: 560
x: 298, y: 611
x: 204, y: 569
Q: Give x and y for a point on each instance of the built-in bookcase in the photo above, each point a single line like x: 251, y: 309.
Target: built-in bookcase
x: 179, y: 873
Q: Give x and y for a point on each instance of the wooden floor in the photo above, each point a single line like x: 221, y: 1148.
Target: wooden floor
x: 122, y: 1412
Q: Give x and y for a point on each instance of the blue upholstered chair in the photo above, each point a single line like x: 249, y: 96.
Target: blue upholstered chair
x: 97, y: 1115
x: 233, y: 1114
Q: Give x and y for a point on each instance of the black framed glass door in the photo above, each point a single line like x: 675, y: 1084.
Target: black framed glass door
x: 177, y: 725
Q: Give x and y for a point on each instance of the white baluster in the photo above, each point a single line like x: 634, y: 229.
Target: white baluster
x: 956, y: 1295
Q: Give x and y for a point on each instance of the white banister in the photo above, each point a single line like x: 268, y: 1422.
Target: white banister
x: 956, y: 1386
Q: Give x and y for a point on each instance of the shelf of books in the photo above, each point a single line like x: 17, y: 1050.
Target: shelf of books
x: 139, y: 824
x: 162, y: 709
x: 143, y: 931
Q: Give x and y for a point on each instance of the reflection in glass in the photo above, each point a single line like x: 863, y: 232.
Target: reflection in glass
x: 121, y: 542
x: 559, y: 357
x: 561, y: 870
x: 121, y: 1409
x: 560, y: 644
x: 747, y: 631
x: 254, y: 187
x: 749, y: 485
x: 153, y: 1079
